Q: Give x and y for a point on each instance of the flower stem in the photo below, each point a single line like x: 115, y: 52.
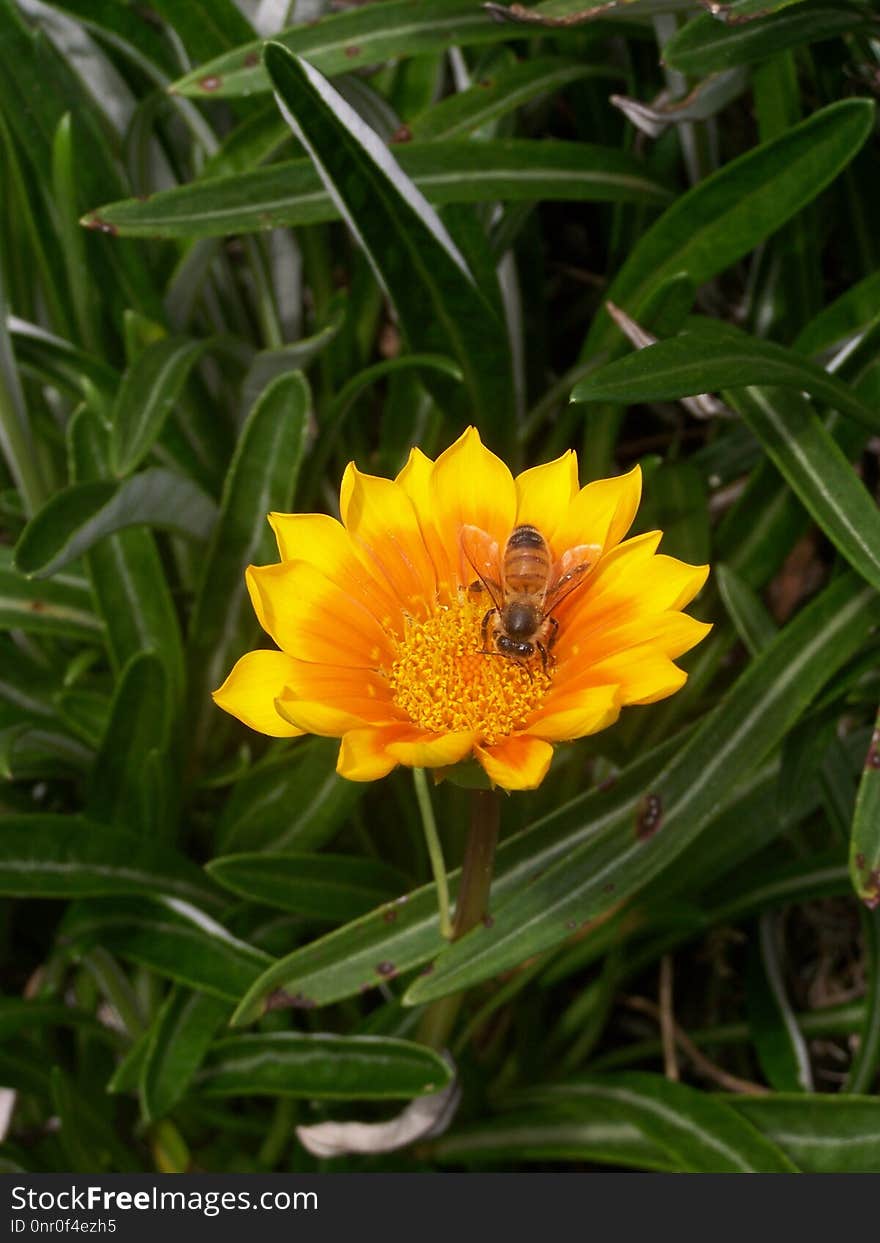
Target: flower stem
x: 471, y: 906
x: 435, y: 850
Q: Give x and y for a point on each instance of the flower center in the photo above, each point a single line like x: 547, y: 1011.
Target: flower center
x: 446, y: 682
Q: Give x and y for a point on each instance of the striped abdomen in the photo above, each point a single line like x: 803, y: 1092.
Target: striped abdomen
x: 527, y: 562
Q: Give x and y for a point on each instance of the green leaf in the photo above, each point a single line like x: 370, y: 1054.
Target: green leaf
x: 496, y: 94
x: 711, y: 357
x: 864, y: 857
x: 506, y: 170
x: 146, y: 396
x: 62, y: 607
x: 626, y: 855
x: 706, y: 45
x: 815, y: 468
x: 131, y: 590
x: 56, y: 856
x: 779, y: 1043
x: 122, y: 786
x: 177, y: 1043
x: 205, y: 27
x: 57, y: 362
x: 551, y: 1134
x: 440, y: 308
x: 341, y: 42
x: 746, y: 610
x: 730, y: 212
x: 701, y: 1133
x: 80, y: 515
x: 297, y: 804
x: 319, y: 1067
x: 822, y: 1134
x: 324, y: 887
x: 261, y: 478
x: 171, y: 937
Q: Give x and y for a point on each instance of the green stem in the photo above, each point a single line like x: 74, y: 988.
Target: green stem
x: 471, y: 906
x: 435, y: 850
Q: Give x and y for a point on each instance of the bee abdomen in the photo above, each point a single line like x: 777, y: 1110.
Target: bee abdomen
x: 526, y: 536
x: 526, y: 560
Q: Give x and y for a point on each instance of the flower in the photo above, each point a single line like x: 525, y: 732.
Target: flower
x: 378, y: 620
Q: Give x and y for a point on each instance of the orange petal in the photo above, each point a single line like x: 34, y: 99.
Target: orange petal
x: 251, y: 689
x: 415, y: 479
x: 545, y: 493
x: 424, y: 750
x: 363, y: 754
x: 382, y: 521
x: 324, y: 543
x: 602, y: 512
x: 313, y: 618
x: 575, y: 715
x: 518, y: 763
x: 329, y: 703
x: 471, y: 486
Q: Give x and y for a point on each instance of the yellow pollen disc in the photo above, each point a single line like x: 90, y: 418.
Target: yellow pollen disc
x: 445, y: 682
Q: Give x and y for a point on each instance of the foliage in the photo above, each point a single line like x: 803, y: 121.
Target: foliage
x: 419, y: 230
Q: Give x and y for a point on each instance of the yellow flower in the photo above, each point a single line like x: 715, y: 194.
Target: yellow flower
x: 378, y: 620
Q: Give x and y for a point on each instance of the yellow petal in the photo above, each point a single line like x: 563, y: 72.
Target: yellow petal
x: 324, y: 543
x: 313, y: 618
x: 363, y: 754
x: 576, y: 715
x: 251, y: 689
x: 424, y: 750
x: 642, y: 674
x: 381, y: 519
x: 545, y: 493
x: 673, y: 634
x: 415, y: 480
x: 602, y: 512
x: 518, y: 763
x: 471, y: 487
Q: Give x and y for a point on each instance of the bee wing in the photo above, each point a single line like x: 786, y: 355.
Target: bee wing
x: 569, y: 572
x: 482, y: 554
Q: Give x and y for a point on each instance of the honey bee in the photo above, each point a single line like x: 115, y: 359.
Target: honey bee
x: 525, y: 586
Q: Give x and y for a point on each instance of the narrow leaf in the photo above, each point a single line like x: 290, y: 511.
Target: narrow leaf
x: 82, y: 514
x: 440, y: 308
x: 291, y: 193
x: 56, y: 856
x: 320, y: 1067
x: 146, y: 396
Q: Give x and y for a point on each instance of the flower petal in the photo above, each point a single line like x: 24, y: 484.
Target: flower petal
x: 363, y: 754
x: 471, y: 487
x: 602, y: 512
x: 309, y: 616
x: 671, y: 634
x: 415, y: 479
x: 518, y: 763
x: 643, y: 675
x: 324, y: 543
x: 424, y: 750
x: 576, y: 714
x: 545, y: 493
x: 251, y: 689
x: 382, y: 521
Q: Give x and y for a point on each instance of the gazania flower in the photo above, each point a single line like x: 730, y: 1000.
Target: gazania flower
x: 389, y: 640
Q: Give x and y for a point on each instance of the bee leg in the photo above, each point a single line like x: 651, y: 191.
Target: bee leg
x: 484, y: 626
x: 554, y: 633
x: 545, y: 656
